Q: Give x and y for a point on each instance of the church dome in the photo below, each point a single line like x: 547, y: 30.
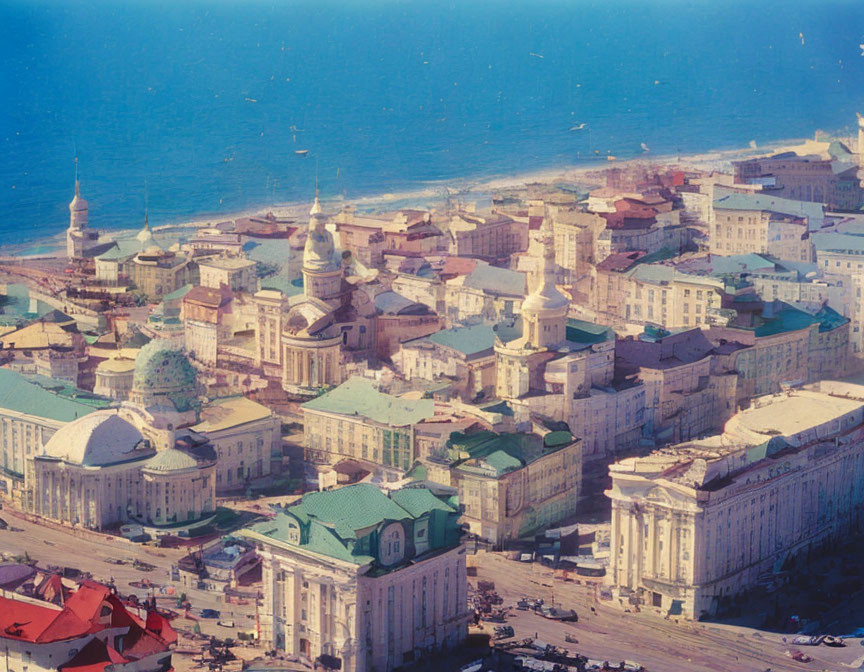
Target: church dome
x: 98, y: 439
x: 78, y: 204
x: 144, y: 236
x: 171, y: 459
x: 319, y: 252
x: 162, y: 368
x: 547, y: 298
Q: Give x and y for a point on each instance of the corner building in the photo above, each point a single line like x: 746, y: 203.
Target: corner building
x: 696, y: 524
x: 373, y: 580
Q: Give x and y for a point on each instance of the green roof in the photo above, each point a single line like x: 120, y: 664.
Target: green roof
x: 282, y: 284
x: 21, y: 395
x: 339, y: 521
x: 579, y: 331
x: 789, y: 318
x: 467, y: 340
x: 178, y: 293
x: 503, y: 452
x: 419, y: 501
x: 359, y: 397
x: 786, y: 206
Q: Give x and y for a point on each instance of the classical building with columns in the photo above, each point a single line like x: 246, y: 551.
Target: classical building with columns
x: 100, y: 471
x: 696, y: 524
x: 305, y: 339
x: 360, y: 580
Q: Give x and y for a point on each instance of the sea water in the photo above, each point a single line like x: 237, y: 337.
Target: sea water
x: 203, y: 106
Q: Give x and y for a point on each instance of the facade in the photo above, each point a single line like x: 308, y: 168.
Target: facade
x: 356, y: 420
x: 157, y: 272
x: 463, y: 356
x: 842, y: 256
x: 685, y: 396
x: 399, y: 319
x: 820, y: 172
x: 493, y: 236
x: 207, y: 322
x: 697, y: 524
x: 360, y: 580
x: 60, y: 363
x: 755, y: 223
x: 90, y: 632
x: 487, y: 294
x: 114, y: 378
x: 773, y: 344
x: 234, y: 273
x: 512, y: 485
x: 100, y: 471
x: 29, y: 417
x: 244, y: 435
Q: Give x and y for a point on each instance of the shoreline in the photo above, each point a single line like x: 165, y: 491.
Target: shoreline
x: 430, y: 191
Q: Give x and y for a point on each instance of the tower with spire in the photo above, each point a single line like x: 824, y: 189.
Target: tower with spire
x: 322, y: 270
x: 78, y: 238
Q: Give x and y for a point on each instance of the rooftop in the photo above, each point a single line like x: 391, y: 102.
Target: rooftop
x: 227, y: 263
x: 498, y: 281
x: 469, y: 341
x: 21, y: 395
x: 227, y: 412
x: 360, y: 398
x: 337, y: 520
x: 501, y: 453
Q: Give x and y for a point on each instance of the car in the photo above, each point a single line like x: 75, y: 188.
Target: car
x: 209, y: 613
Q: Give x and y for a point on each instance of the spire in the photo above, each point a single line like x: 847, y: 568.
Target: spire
x: 77, y: 184
x: 316, y: 206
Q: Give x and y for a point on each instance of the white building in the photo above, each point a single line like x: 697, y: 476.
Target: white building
x: 374, y: 580
x: 696, y: 524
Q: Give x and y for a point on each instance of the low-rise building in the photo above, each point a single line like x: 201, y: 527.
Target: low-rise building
x: 356, y: 420
x: 100, y: 471
x: 512, y: 485
x: 695, y: 525
x: 757, y: 223
x: 463, y: 356
x: 821, y: 172
x: 360, y: 580
x: 244, y: 434
x: 684, y: 397
x: 487, y: 294
x: 489, y: 236
x: 91, y: 631
x: 234, y: 273
x: 30, y: 414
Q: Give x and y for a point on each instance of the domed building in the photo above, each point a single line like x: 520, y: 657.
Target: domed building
x: 100, y: 470
x: 164, y: 379
x: 538, y: 365
x: 305, y: 338
x: 79, y: 239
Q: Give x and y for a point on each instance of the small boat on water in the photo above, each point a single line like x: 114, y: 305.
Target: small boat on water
x: 302, y: 152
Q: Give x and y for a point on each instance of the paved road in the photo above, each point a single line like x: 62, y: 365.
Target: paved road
x: 53, y: 546
x: 657, y: 644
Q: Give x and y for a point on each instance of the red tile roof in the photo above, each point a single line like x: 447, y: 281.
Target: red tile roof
x: 24, y: 621
x: 620, y: 261
x: 94, y: 657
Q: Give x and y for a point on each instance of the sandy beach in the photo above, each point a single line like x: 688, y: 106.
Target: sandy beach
x: 427, y: 195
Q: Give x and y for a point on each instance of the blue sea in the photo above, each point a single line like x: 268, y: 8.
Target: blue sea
x: 203, y: 105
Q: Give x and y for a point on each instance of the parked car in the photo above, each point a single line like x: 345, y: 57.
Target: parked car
x: 209, y: 613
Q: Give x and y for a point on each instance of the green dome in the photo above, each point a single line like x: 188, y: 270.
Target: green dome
x: 163, y: 370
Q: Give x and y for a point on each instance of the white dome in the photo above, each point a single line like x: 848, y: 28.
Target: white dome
x: 547, y: 298
x: 96, y: 440
x: 171, y: 459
